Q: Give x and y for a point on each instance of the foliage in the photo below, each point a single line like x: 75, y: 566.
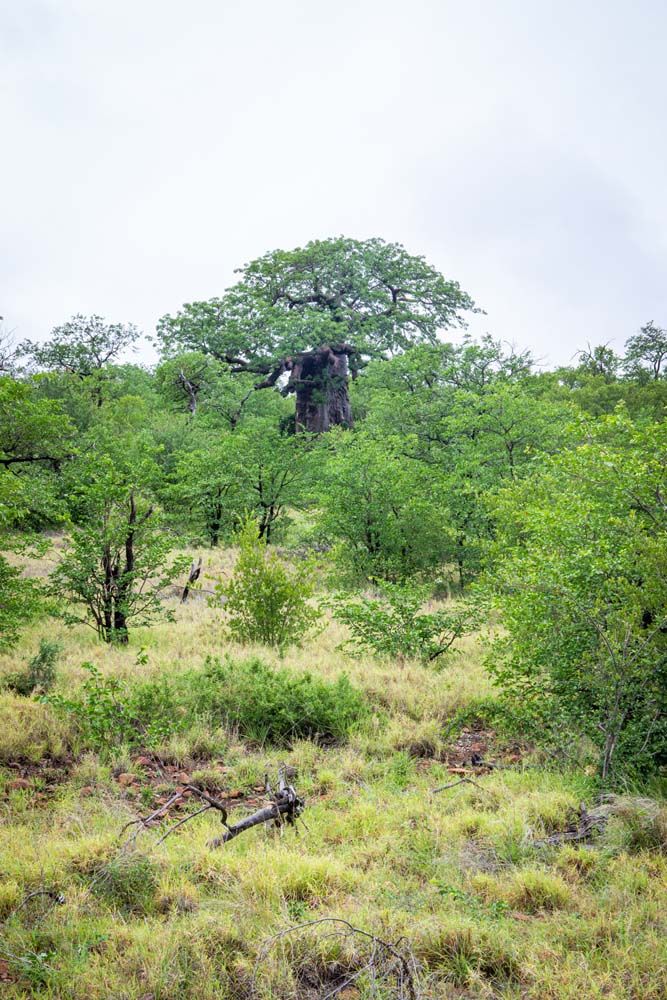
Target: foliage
x: 388, y: 513
x: 40, y: 673
x: 32, y: 430
x: 464, y: 418
x: 21, y: 599
x: 116, y: 562
x: 397, y: 625
x: 20, y: 602
x: 109, y: 713
x: 579, y: 577
x: 115, y: 567
x: 276, y: 706
x: 249, y: 697
x: 265, y: 601
x: 370, y: 293
x: 646, y: 353
x: 82, y: 346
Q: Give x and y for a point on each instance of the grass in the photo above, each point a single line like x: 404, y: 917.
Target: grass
x: 486, y: 914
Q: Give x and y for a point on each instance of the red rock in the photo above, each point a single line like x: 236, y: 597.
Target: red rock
x: 18, y: 783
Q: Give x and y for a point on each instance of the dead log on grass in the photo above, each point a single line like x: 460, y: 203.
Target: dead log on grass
x: 285, y: 807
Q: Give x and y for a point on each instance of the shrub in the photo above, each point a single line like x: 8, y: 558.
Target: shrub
x: 127, y: 883
x: 40, y: 672
x: 275, y: 706
x: 261, y: 703
x: 110, y: 713
x: 265, y: 601
x: 395, y: 625
x: 29, y: 730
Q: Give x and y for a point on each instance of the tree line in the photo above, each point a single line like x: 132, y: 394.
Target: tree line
x: 321, y: 396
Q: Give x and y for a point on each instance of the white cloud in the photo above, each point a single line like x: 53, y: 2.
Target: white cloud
x: 152, y: 147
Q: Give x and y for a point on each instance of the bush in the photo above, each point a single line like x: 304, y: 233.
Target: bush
x: 110, y: 713
x: 40, y: 672
x: 266, y: 602
x: 261, y: 703
x: 396, y: 626
x: 275, y: 706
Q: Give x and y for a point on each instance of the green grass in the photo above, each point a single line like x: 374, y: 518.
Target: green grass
x: 486, y: 914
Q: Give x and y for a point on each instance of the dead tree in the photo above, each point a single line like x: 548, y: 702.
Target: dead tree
x: 193, y: 576
x: 285, y: 807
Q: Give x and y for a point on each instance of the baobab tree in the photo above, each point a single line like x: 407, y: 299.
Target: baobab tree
x: 304, y: 320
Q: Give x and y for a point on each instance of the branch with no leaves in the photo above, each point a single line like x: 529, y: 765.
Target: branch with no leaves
x: 460, y: 781
x: 285, y: 807
x: 385, y: 961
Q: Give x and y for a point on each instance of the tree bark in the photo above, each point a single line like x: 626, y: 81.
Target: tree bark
x: 320, y: 379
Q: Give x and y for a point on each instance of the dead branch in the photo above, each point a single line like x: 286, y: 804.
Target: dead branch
x: 285, y: 807
x: 588, y: 825
x: 461, y: 781
x: 56, y: 899
x: 384, y: 962
x: 193, y: 576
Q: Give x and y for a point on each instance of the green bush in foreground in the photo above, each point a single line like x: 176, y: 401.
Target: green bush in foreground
x: 40, y: 674
x: 262, y: 704
x: 276, y: 706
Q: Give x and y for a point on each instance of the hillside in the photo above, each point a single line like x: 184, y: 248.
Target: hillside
x: 456, y: 880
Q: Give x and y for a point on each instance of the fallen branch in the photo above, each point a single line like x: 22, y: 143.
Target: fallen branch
x: 384, y: 962
x: 461, y: 781
x: 588, y: 825
x: 285, y: 807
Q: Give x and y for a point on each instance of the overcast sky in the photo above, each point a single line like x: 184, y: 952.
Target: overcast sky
x: 149, y: 147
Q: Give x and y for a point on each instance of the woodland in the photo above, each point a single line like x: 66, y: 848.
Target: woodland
x: 381, y: 603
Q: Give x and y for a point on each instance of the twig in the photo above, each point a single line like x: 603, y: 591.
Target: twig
x: 181, y: 822
x: 403, y: 974
x: 461, y: 781
x: 57, y: 899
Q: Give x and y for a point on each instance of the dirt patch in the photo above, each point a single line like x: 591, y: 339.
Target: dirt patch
x: 154, y: 783
x: 43, y: 778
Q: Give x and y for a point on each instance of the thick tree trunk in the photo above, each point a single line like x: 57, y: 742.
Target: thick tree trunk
x: 320, y: 379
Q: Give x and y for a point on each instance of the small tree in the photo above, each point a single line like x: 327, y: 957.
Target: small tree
x: 397, y: 625
x: 82, y: 346
x: 264, y: 600
x: 646, y: 353
x: 115, y: 567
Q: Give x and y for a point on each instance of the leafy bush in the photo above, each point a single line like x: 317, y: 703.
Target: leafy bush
x: 261, y: 703
x: 110, y: 713
x: 40, y: 672
x: 266, y: 602
x: 275, y: 706
x: 579, y: 578
x: 396, y: 626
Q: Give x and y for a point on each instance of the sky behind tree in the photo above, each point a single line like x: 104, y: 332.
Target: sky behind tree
x: 151, y: 146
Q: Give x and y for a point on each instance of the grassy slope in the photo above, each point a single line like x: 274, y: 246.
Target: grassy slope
x: 486, y: 914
